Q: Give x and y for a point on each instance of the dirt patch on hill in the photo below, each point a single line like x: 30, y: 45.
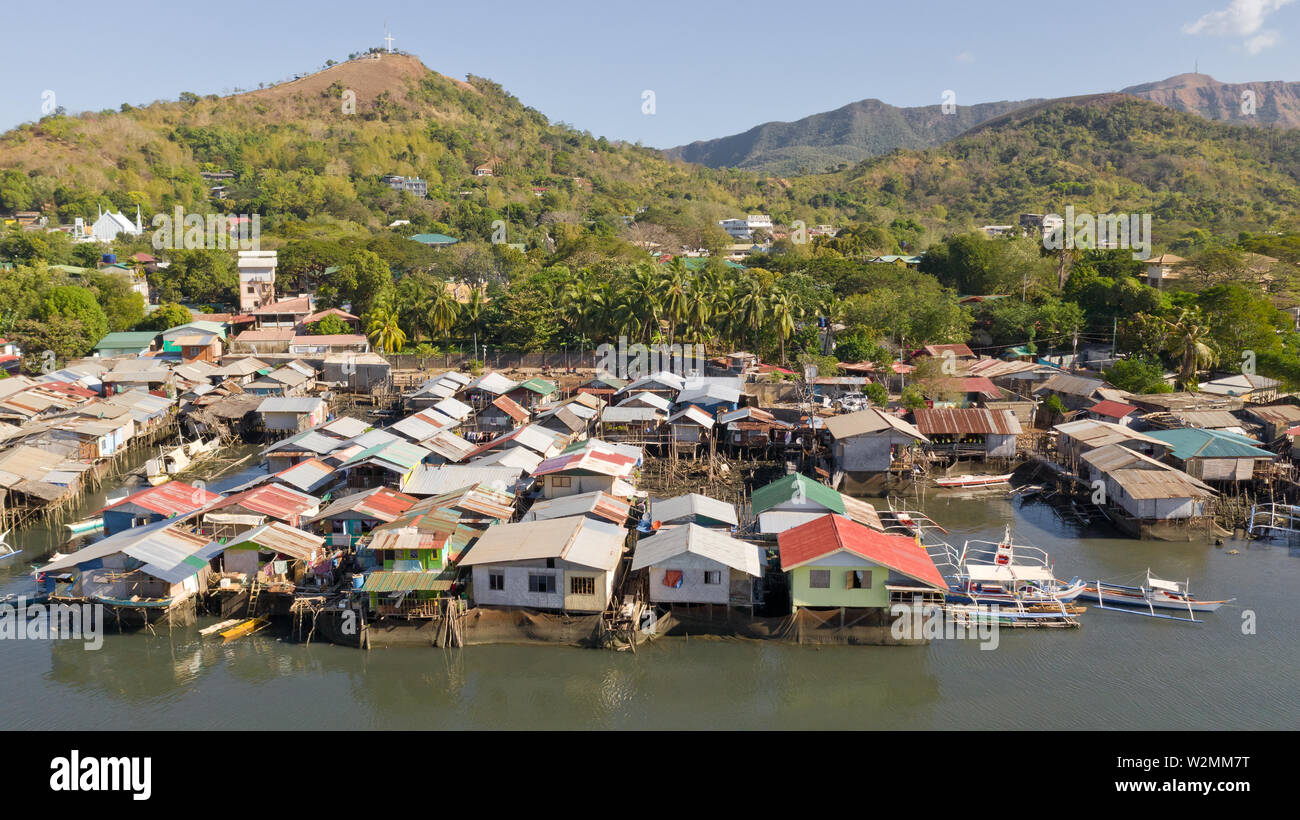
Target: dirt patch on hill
x: 368, y: 76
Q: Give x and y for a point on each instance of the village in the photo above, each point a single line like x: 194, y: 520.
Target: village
x: 454, y: 506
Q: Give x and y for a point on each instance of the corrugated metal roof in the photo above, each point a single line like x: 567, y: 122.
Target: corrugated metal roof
x: 454, y: 409
x: 597, y: 503
x: 966, y: 421
x: 308, y: 475
x: 172, y: 498
x: 402, y: 455
x: 390, y: 581
x: 380, y: 503
x: 832, y: 533
x: 676, y: 509
x: 795, y: 486
x: 1191, y: 442
x: 346, y: 427
x: 628, y: 415
x: 282, y: 539
x: 695, y: 415
x: 510, y: 407
x: 579, y: 540
x: 588, y: 462
x: 1159, y: 484
x: 275, y: 500
x: 1070, y: 385
x: 670, y: 542
x: 290, y: 404
x: 870, y: 420
x: 434, y: 480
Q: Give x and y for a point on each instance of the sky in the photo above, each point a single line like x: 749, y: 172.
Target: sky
x: 712, y: 68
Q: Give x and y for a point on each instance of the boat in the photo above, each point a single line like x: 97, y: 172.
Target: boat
x: 967, y: 481
x: 1008, y: 575
x: 1154, y: 594
x: 1272, y: 520
x: 85, y: 526
x: 244, y: 628
x: 7, y: 550
x: 909, y: 522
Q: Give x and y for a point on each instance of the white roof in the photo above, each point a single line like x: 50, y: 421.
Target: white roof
x: 514, y: 457
x: 578, y: 540
x: 669, y: 510
x: 493, y: 382
x: 707, y: 543
x: 652, y: 399
x: 1007, y: 572
x: 452, y: 408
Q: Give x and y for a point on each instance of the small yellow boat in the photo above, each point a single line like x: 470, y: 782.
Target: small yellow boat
x: 244, y: 628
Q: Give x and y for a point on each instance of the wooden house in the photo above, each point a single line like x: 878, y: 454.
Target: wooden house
x: 692, y: 565
x: 834, y: 562
x: 972, y: 432
x: 867, y: 443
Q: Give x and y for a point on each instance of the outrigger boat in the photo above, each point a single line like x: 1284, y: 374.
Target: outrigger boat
x: 1155, y: 594
x: 912, y: 523
x: 1009, y: 575
x: 973, y: 480
x: 85, y: 526
x: 1272, y: 520
x: 6, y: 550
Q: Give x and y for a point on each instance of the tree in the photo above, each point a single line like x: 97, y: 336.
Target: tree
x: 1137, y: 376
x: 363, y: 279
x: 877, y: 394
x: 167, y: 316
x: 331, y: 325
x: 1189, y: 342
x: 384, y: 329
x: 68, y: 303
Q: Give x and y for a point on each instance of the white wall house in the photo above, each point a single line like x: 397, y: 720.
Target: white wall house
x: 690, y: 564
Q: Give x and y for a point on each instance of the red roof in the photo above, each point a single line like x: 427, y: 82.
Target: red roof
x: 511, y: 408
x: 172, y: 498
x: 832, y: 533
x: 275, y: 500
x: 588, y: 462
x: 1112, y: 409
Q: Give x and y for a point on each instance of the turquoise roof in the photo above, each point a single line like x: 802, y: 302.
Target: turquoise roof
x: 435, y: 239
x: 1191, y: 442
x: 127, y: 340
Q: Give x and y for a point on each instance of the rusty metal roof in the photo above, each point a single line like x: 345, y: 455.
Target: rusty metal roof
x: 964, y: 421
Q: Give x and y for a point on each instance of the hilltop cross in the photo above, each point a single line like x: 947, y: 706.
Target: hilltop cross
x: 388, y: 38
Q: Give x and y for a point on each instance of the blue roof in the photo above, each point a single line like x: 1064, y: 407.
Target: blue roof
x: 1192, y: 442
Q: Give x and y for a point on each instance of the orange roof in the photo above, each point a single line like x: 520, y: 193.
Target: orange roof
x: 832, y: 533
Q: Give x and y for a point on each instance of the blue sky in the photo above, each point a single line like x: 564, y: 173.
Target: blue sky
x: 715, y: 68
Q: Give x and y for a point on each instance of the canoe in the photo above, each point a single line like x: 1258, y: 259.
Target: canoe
x: 246, y: 627
x: 973, y: 480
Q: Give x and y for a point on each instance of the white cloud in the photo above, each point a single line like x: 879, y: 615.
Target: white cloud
x: 965, y: 57
x: 1265, y: 39
x: 1242, y: 18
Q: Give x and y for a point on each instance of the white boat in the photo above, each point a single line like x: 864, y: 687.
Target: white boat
x: 973, y: 480
x: 7, y: 551
x: 1154, y: 594
x: 85, y: 525
x: 1008, y: 575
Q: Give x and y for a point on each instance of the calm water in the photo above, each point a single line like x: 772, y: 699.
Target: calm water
x: 1117, y: 671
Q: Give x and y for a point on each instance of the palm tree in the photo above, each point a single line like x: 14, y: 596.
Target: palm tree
x: 1189, y: 342
x: 700, y: 299
x: 384, y: 328
x: 783, y: 314
x: 753, y: 309
x: 442, y: 310
x: 471, y: 313
x: 672, y: 294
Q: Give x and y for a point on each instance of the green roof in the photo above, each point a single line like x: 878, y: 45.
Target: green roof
x: 126, y: 340
x: 205, y: 326
x: 435, y: 239
x: 402, y: 453
x: 72, y: 269
x: 787, y: 489
x: 1192, y: 442
x: 539, y: 385
x: 395, y: 581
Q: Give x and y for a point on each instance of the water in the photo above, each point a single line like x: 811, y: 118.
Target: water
x: 1115, y: 672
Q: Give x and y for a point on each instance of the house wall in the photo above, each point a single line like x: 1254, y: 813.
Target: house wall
x: 693, y: 589
x: 839, y: 564
x: 1000, y: 446
x: 866, y: 453
x: 516, y: 586
x: 578, y: 484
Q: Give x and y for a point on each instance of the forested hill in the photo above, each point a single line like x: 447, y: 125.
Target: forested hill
x: 300, y: 157
x: 859, y: 130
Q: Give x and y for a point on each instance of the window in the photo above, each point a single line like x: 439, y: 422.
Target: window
x: 713, y: 577
x: 582, y: 585
x: 819, y: 578
x: 857, y: 579
x: 496, y: 581
x: 561, y: 481
x: 541, y: 583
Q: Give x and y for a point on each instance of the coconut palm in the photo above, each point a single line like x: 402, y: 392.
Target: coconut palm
x: 1189, y: 342
x: 441, y: 312
x: 384, y: 327
x: 783, y: 310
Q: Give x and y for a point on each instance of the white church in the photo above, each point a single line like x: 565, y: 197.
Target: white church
x: 109, y: 225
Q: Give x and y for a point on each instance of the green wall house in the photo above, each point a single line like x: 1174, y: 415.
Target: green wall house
x: 833, y: 562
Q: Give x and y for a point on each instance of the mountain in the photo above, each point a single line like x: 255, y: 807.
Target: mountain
x: 871, y: 128
x: 859, y: 130
x: 1276, y: 102
x: 1105, y: 153
x: 299, y: 151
